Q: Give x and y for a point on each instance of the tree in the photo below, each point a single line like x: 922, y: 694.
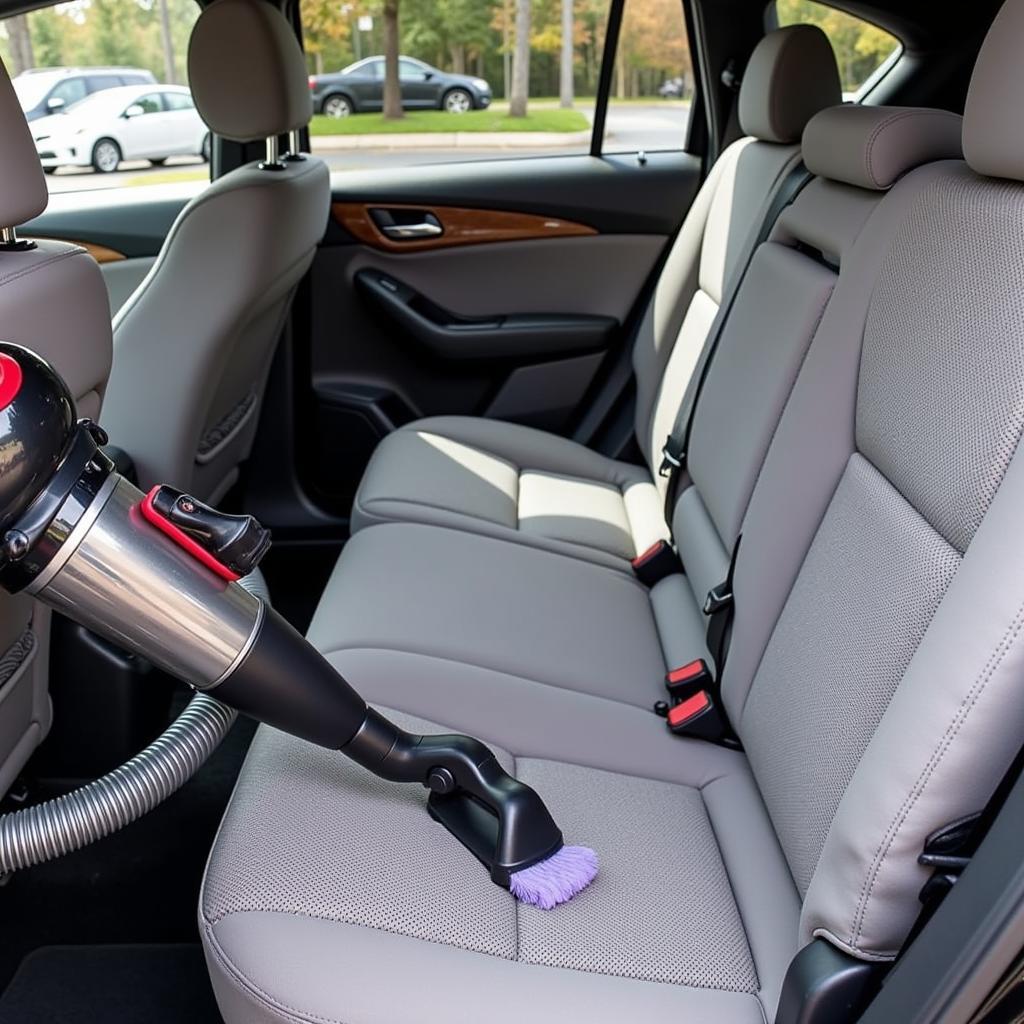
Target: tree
x: 521, y: 61
x: 565, y: 80
x: 168, y: 43
x: 326, y: 33
x: 21, y: 44
x: 392, y: 84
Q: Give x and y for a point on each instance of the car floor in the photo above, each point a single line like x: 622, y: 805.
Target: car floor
x: 109, y: 933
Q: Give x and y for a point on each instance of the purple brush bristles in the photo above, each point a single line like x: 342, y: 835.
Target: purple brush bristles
x: 556, y: 879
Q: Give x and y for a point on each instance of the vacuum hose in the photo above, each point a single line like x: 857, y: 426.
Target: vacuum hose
x: 52, y: 829
x: 157, y: 574
x: 105, y: 806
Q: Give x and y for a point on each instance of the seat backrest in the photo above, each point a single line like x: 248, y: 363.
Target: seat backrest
x: 790, y: 76
x: 784, y: 296
x: 882, y: 556
x: 193, y: 344
x: 52, y: 300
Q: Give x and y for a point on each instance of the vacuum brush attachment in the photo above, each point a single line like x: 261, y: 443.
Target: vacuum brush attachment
x: 156, y: 574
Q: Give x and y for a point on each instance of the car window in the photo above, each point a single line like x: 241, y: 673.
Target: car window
x: 99, y: 82
x: 150, y: 103
x: 178, y: 101
x: 495, y: 88
x: 71, y: 90
x: 863, y: 51
x: 411, y: 71
x: 113, y: 47
x: 652, y: 80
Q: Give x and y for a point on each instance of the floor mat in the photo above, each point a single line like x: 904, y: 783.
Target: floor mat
x: 137, y: 984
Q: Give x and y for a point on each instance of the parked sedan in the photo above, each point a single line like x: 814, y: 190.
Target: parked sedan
x: 151, y: 122
x: 360, y: 88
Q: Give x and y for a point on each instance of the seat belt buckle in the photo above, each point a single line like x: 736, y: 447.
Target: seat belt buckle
x: 697, y: 717
x: 672, y: 456
x: 688, y: 679
x: 657, y: 562
x: 719, y: 598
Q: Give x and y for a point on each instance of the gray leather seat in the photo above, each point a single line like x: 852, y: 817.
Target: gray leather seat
x: 873, y: 675
x: 515, y: 482
x: 52, y: 300
x: 518, y: 610
x: 194, y: 342
x: 895, y: 470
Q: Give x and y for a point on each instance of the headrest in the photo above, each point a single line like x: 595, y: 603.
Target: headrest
x: 790, y: 76
x: 994, y: 115
x: 871, y: 147
x: 247, y: 72
x: 23, y: 192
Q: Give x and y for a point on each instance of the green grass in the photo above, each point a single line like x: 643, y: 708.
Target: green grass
x: 168, y: 176
x: 440, y: 121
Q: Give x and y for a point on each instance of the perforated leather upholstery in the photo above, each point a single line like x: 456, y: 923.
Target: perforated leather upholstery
x: 873, y: 674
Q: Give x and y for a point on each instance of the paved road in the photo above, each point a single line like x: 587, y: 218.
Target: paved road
x: 629, y: 128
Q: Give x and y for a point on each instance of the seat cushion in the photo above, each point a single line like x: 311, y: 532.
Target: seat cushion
x: 326, y: 884
x: 514, y: 482
x: 507, y: 608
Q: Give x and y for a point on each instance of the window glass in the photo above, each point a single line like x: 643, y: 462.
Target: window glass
x: 652, y: 83
x: 150, y: 103
x: 178, y: 101
x: 457, y: 65
x: 71, y: 90
x: 99, y: 82
x: 862, y: 50
x: 411, y: 71
x: 117, y: 44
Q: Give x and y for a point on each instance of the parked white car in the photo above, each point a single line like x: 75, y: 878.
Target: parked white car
x: 134, y: 122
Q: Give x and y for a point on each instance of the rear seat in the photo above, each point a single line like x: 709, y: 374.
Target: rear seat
x: 873, y: 675
x: 514, y: 482
x: 560, y: 620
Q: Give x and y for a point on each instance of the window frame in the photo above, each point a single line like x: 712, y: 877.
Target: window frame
x: 692, y: 141
x: 771, y: 22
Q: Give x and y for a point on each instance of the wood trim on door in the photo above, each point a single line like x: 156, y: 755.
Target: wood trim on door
x: 461, y: 226
x: 100, y: 253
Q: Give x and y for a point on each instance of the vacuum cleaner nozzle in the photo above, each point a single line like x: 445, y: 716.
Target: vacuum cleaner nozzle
x: 156, y: 574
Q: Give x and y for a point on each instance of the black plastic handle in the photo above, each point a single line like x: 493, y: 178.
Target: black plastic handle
x: 520, y: 336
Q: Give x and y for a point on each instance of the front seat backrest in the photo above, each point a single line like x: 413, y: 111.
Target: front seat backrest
x: 194, y: 342
x: 52, y: 300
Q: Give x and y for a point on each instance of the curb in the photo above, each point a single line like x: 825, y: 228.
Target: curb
x: 451, y: 140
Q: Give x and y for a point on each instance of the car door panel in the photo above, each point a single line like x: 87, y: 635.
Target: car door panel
x: 122, y: 228
x: 555, y: 251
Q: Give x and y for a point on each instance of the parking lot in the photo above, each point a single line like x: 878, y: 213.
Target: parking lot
x: 630, y: 127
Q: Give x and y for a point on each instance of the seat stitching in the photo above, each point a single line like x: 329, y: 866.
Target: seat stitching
x: 888, y: 122
x: 732, y: 889
x: 536, y: 682
x: 247, y: 984
x: 48, y: 262
x: 472, y: 664
x: 977, y: 689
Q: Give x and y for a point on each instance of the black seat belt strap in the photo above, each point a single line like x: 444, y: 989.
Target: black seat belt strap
x: 673, y: 453
x: 719, y: 607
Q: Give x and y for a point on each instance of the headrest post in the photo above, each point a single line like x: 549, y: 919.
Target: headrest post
x: 273, y: 157
x: 10, y: 242
x: 294, y: 154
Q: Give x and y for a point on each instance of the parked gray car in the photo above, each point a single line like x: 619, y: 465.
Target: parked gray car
x: 359, y: 88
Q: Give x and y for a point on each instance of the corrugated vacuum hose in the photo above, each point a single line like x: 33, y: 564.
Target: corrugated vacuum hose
x: 60, y: 826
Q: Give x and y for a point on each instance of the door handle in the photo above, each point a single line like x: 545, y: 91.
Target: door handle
x: 409, y: 232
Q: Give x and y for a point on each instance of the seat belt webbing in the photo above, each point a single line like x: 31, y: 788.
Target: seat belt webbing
x: 673, y: 453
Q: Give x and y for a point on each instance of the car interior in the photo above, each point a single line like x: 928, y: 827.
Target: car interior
x: 662, y: 504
